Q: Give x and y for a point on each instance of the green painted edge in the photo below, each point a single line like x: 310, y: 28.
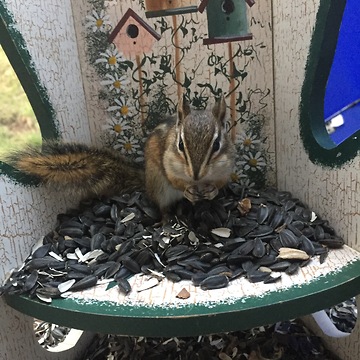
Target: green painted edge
x: 196, y: 319
x: 168, y: 12
x: 15, y: 49
x: 319, y: 146
x: 227, y: 38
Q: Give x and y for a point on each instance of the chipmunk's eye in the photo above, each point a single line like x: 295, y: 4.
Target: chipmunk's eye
x: 181, y: 145
x: 216, y: 144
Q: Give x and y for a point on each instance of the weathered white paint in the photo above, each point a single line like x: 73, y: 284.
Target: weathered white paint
x: 28, y: 213
x: 240, y: 289
x: 331, y: 193
x: 48, y: 29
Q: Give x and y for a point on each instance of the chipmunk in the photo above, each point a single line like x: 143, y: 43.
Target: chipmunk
x: 190, y: 155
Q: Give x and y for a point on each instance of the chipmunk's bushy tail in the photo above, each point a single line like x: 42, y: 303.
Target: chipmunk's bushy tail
x: 79, y: 168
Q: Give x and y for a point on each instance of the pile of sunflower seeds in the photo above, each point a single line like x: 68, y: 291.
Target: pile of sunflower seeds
x: 289, y: 340
x: 243, y: 232
x: 49, y: 335
x: 343, y: 315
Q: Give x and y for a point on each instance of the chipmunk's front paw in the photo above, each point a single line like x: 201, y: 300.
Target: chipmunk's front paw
x: 199, y: 192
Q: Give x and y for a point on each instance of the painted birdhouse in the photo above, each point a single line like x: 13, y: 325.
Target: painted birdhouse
x: 155, y: 8
x: 227, y: 20
x: 133, y: 36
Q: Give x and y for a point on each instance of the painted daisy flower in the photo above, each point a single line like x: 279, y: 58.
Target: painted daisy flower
x: 247, y: 182
x: 238, y: 173
x: 253, y: 162
x: 98, y: 22
x: 247, y: 141
x: 128, y: 145
x: 111, y: 58
x: 116, y: 126
x: 114, y: 82
x: 122, y: 108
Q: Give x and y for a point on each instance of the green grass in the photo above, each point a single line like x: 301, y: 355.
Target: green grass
x: 18, y: 124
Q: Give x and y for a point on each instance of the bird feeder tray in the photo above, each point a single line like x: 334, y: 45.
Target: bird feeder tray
x: 158, y: 311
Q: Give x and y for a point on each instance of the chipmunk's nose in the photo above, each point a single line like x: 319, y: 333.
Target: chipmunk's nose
x: 196, y: 166
x: 196, y: 173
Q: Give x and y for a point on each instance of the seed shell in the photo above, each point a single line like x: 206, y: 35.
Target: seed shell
x: 148, y: 284
x: 222, y: 232
x: 289, y: 253
x: 183, y: 294
x: 65, y: 286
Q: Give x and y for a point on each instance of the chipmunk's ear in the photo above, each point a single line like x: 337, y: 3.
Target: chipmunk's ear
x: 219, y: 109
x: 183, y: 109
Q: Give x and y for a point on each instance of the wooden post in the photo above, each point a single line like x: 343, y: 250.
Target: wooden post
x: 141, y: 90
x: 232, y: 92
x: 177, y: 57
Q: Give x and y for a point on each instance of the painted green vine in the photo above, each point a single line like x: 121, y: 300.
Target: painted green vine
x: 120, y: 80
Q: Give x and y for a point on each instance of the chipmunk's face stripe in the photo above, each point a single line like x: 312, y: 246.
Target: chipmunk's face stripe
x: 216, y: 145
x: 181, y: 145
x: 198, y: 169
x: 214, y: 148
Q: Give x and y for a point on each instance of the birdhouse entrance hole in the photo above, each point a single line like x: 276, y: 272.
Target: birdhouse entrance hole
x: 228, y: 7
x: 132, y: 31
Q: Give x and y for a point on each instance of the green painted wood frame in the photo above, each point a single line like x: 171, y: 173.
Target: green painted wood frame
x: 197, y: 319
x: 319, y: 146
x: 15, y: 49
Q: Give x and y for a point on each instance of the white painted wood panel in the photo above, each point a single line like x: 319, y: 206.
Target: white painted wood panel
x: 48, y: 30
x: 27, y: 213
x: 332, y: 193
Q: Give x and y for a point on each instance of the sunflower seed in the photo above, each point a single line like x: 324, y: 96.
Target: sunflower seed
x: 84, y: 283
x: 124, y: 285
x: 214, y: 282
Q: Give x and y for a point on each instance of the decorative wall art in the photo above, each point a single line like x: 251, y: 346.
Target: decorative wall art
x: 156, y: 8
x: 145, y: 61
x: 226, y: 20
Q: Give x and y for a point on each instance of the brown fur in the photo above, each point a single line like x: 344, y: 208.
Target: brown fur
x: 79, y: 168
x: 170, y: 169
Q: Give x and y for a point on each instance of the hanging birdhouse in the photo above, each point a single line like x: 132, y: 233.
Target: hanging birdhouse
x: 227, y: 20
x: 155, y: 8
x: 133, y: 36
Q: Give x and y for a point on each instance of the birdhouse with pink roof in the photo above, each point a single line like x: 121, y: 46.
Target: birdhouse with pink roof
x: 132, y: 35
